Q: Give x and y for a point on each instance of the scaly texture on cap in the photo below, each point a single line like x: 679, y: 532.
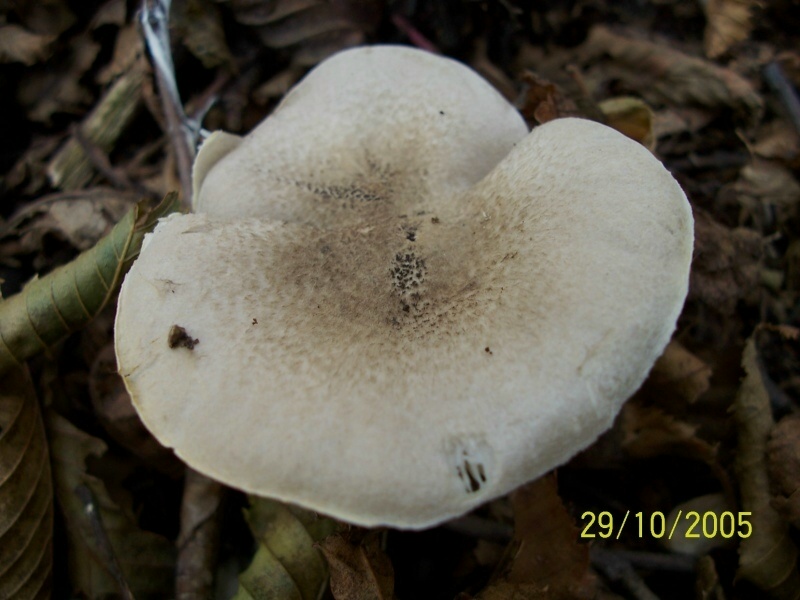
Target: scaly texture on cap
x: 393, y: 303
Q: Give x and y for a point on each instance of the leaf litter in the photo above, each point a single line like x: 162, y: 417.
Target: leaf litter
x: 90, y: 137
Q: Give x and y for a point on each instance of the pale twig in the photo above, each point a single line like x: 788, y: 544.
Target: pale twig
x: 181, y: 131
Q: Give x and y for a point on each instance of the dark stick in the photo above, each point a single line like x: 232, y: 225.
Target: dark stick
x: 777, y: 81
x: 618, y: 569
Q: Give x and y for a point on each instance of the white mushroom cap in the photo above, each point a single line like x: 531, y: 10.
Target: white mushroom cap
x: 391, y: 315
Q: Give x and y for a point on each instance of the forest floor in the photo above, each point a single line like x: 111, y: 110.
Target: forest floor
x: 711, y: 88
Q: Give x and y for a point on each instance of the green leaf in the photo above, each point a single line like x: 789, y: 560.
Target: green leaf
x: 26, y: 493
x: 49, y: 309
x: 286, y: 565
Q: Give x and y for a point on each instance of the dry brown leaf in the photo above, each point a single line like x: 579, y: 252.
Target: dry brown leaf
x: 677, y: 375
x: 56, y: 87
x: 649, y: 432
x: 277, y: 85
x: 83, y: 222
x: 726, y: 264
x: 198, y: 539
x: 728, y: 22
x: 30, y: 168
x: 128, y: 48
x: 548, y: 562
x: 112, y: 12
x: 82, y: 218
x: 17, y: 44
x: 360, y: 569
x: 783, y: 466
x: 199, y: 26
x: 660, y: 73
x: 45, y: 16
x: 764, y: 187
x: 680, y: 119
x: 787, y: 332
x: 779, y: 142
x: 114, y: 409
x: 310, y: 29
x: 767, y: 557
x: 26, y: 493
x: 544, y: 101
x: 503, y: 590
x: 707, y: 585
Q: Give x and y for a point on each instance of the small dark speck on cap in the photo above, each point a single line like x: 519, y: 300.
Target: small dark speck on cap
x: 179, y: 338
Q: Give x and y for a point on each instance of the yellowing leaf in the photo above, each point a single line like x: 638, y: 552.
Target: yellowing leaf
x: 632, y: 117
x: 17, y: 44
x: 26, y: 493
x: 286, y: 564
x: 48, y: 309
x: 768, y: 557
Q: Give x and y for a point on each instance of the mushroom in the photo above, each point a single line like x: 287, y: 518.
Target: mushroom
x: 393, y: 303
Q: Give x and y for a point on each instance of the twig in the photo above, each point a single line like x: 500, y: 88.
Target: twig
x: 181, y: 131
x: 99, y: 160
x: 619, y: 570
x: 71, y: 168
x: 776, y: 79
x: 652, y: 561
x: 413, y: 34
x: 199, y: 106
